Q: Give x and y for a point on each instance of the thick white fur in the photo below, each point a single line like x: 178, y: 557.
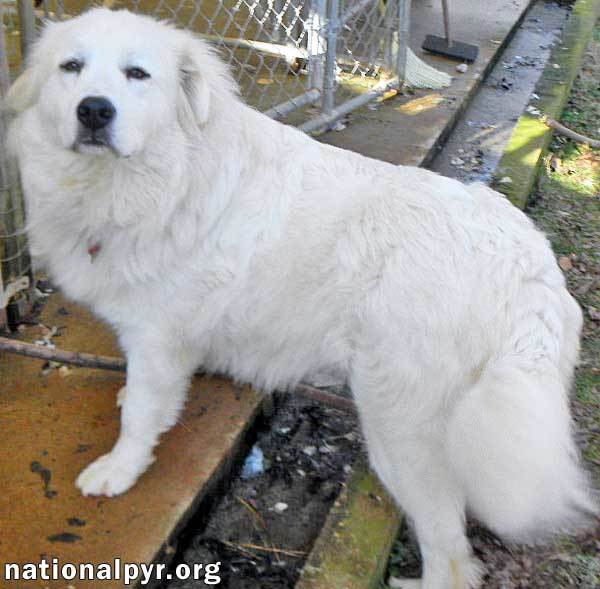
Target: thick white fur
x: 234, y: 243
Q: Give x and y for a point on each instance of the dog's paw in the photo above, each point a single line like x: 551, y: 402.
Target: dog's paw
x: 121, y: 396
x: 109, y: 476
x: 464, y: 573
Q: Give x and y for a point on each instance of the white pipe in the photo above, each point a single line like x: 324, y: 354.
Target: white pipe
x: 283, y: 109
x: 324, y: 121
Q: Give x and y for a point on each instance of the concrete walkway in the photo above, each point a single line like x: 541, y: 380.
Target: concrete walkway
x: 407, y: 129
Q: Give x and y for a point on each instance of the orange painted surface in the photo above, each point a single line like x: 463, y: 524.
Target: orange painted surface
x: 57, y: 424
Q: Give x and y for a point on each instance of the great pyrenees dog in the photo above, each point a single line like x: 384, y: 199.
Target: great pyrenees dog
x: 211, y: 236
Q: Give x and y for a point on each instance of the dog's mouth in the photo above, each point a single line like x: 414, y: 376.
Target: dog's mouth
x: 94, y: 142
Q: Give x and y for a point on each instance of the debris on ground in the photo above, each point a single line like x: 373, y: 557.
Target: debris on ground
x: 263, y: 528
x: 254, y: 464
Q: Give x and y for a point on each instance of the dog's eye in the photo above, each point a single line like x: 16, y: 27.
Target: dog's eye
x: 71, y: 66
x: 136, y: 73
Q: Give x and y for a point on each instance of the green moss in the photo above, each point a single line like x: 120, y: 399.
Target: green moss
x: 531, y: 138
x: 353, y: 549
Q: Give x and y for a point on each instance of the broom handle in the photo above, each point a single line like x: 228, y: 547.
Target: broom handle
x: 446, y: 21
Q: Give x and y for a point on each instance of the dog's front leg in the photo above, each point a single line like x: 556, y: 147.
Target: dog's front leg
x: 157, y: 380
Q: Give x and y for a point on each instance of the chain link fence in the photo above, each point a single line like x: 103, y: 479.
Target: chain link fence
x: 309, y: 62
x: 15, y: 263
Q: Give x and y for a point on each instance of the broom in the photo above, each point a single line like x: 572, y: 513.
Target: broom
x: 417, y: 74
x: 421, y: 75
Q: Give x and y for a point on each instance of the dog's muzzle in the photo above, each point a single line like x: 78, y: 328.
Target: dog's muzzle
x: 94, y: 114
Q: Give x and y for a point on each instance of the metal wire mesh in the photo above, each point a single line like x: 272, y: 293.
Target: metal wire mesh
x: 308, y: 60
x: 365, y: 46
x: 270, y: 45
x: 15, y: 263
x: 277, y: 48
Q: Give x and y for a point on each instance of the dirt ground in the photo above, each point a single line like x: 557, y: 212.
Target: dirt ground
x: 263, y: 528
x: 566, y: 206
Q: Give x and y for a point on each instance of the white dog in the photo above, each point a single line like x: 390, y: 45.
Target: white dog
x: 209, y: 235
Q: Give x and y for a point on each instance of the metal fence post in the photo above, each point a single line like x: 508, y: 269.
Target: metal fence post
x: 316, y: 43
x: 26, y: 24
x: 390, y: 24
x: 330, y: 58
x: 403, y: 37
x: 4, y: 82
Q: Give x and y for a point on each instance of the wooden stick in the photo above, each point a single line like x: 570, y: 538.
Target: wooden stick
x: 329, y: 399
x: 265, y: 549
x: 62, y: 356
x: 119, y: 365
x: 550, y: 122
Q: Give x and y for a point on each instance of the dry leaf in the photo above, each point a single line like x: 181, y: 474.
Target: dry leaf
x: 565, y: 263
x: 64, y: 371
x: 593, y: 313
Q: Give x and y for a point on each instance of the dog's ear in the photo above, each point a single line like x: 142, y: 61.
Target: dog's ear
x: 204, y: 81
x: 195, y: 90
x: 24, y: 91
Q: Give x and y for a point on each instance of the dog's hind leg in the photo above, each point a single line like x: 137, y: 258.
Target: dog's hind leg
x: 158, y: 374
x: 407, y: 454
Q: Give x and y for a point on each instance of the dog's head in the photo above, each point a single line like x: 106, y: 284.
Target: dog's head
x: 109, y: 82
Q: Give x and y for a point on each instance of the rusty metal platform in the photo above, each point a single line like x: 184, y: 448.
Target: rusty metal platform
x: 54, y: 425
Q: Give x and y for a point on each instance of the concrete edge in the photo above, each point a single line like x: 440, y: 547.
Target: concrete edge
x: 455, y: 116
x: 531, y: 138
x: 353, y: 547
x: 198, y: 511
x: 441, y: 139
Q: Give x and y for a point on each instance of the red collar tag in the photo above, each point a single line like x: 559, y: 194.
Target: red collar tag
x: 93, y: 249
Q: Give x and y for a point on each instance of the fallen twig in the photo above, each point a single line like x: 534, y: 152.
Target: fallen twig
x: 239, y: 549
x: 254, y: 512
x: 266, y: 537
x: 329, y: 399
x: 265, y: 549
x: 117, y: 364
x: 55, y: 355
x: 550, y: 122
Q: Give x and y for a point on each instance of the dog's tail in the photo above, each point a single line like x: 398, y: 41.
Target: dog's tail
x: 510, y: 437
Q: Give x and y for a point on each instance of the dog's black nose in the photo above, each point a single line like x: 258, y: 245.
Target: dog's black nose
x: 95, y: 112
